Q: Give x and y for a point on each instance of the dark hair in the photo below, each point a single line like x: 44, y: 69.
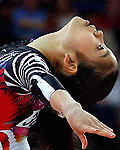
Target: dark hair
x: 89, y: 86
x: 51, y: 132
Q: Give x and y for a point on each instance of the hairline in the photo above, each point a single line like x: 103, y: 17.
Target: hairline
x: 103, y: 69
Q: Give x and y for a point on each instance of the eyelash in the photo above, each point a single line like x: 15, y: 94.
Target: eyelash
x: 100, y: 47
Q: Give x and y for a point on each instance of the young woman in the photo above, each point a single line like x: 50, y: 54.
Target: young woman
x: 78, y: 57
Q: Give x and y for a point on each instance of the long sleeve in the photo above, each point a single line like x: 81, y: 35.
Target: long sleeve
x: 28, y: 73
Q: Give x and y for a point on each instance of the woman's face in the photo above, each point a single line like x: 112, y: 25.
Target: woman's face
x: 84, y: 38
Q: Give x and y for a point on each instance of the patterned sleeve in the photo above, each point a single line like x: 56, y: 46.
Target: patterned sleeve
x: 28, y: 73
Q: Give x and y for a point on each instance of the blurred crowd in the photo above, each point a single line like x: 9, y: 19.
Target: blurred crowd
x: 29, y: 19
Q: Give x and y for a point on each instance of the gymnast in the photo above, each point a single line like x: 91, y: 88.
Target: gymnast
x: 65, y: 71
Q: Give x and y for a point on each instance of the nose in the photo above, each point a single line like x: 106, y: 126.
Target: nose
x: 99, y: 34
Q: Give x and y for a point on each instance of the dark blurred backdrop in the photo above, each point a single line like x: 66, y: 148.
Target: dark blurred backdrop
x: 29, y: 19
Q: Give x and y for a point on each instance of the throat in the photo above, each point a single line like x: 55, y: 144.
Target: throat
x: 48, y: 45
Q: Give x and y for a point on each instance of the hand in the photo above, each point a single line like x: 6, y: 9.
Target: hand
x: 82, y: 121
x: 79, y: 120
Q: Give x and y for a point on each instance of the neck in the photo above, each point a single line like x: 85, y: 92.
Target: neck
x: 49, y: 46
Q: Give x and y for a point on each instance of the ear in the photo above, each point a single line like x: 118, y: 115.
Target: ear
x: 70, y: 66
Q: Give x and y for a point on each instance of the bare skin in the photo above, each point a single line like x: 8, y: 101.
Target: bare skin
x: 79, y: 120
x: 61, y: 46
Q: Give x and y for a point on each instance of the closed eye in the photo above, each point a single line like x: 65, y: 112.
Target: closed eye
x: 100, y: 47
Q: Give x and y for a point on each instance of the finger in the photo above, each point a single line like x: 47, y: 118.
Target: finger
x: 105, y: 126
x: 105, y: 133
x: 83, y: 139
x: 89, y: 129
x: 98, y: 131
x: 101, y: 127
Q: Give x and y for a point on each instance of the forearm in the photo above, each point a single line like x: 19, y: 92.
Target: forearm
x: 61, y: 101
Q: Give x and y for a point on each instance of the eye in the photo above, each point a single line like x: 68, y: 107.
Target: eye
x: 100, y: 47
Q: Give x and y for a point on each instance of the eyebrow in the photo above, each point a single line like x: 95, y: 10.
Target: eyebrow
x: 106, y: 54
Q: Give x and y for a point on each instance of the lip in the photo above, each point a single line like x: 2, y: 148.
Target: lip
x: 94, y: 28
x: 87, y: 23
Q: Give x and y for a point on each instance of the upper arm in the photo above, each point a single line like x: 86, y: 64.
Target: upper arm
x: 28, y: 73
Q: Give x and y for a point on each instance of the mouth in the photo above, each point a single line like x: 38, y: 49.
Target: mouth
x: 94, y: 28
x: 87, y: 23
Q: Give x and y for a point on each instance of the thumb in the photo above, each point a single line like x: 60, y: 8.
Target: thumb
x: 83, y: 140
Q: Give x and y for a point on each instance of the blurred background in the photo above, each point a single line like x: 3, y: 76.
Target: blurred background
x: 29, y: 19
